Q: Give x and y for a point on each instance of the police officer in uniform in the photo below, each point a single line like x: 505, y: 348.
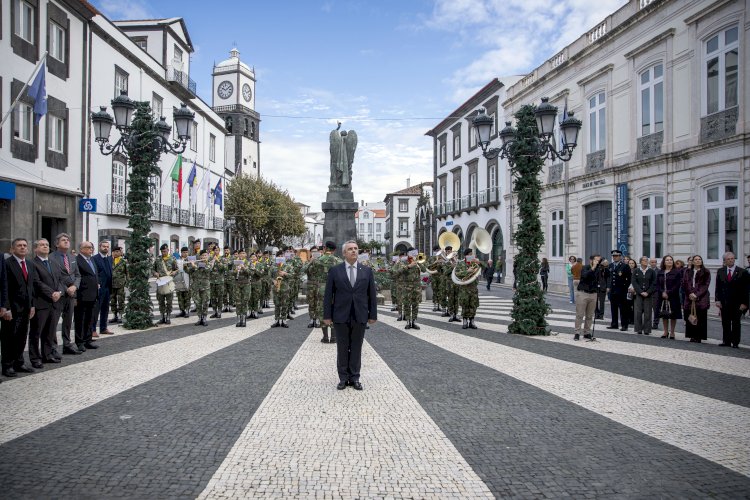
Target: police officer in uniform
x: 619, y: 282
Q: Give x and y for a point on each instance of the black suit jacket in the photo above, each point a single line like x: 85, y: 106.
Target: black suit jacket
x: 46, y: 283
x: 89, y: 289
x: 3, y: 286
x: 644, y: 281
x: 68, y: 278
x: 104, y: 270
x: 344, y: 304
x: 732, y: 293
x: 20, y: 290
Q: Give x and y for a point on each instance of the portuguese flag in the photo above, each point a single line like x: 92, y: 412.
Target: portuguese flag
x: 177, y: 175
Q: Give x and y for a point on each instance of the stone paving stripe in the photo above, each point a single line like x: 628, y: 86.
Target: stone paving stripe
x: 69, y: 389
x: 527, y: 443
x: 309, y: 440
x: 159, y: 440
x: 644, y: 406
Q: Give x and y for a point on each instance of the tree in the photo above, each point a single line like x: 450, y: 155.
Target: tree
x: 529, y: 307
x: 262, y: 212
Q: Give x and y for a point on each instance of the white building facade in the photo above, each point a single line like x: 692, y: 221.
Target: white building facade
x: 401, y: 215
x: 469, y: 189
x: 370, y: 221
x: 662, y: 164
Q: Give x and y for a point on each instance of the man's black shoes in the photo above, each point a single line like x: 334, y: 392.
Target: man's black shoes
x: 357, y: 386
x: 277, y: 324
x: 576, y: 337
x: 414, y: 325
x: 341, y: 386
x: 91, y: 345
x: 611, y: 327
x: 70, y: 350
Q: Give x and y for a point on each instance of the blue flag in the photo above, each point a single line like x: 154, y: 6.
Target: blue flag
x: 191, y: 175
x: 218, y: 198
x: 38, y: 91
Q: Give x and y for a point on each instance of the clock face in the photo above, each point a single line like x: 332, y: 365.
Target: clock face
x: 225, y: 89
x: 247, y: 93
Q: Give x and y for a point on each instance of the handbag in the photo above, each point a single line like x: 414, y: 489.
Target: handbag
x: 693, y: 317
x: 666, y: 309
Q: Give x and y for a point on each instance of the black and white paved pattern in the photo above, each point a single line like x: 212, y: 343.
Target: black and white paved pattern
x: 214, y: 412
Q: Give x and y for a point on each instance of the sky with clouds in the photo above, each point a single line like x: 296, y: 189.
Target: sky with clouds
x: 389, y: 69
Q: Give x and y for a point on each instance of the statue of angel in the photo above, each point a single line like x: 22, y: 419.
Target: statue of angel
x: 343, y: 145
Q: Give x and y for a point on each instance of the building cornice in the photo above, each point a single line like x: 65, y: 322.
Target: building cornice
x: 596, y: 74
x: 467, y: 107
x: 647, y: 45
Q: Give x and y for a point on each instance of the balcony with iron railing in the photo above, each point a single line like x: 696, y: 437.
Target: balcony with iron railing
x: 181, y: 78
x: 473, y: 201
x: 403, y: 233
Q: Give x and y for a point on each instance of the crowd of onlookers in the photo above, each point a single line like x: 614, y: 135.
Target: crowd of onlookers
x: 644, y: 292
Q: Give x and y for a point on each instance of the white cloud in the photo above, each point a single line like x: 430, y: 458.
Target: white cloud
x: 125, y: 9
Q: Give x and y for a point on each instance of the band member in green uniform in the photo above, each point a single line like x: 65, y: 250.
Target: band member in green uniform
x: 200, y: 283
x: 166, y: 266
x: 182, y: 284
x: 119, y: 283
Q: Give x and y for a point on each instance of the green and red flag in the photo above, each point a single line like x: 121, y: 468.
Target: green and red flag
x: 177, y: 175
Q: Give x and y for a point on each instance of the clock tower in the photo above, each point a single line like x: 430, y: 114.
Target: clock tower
x: 233, y: 99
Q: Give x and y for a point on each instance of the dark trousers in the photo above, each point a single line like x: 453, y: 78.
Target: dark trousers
x: 101, y: 310
x: 643, y: 310
x: 13, y: 335
x: 83, y: 314
x: 66, y: 313
x: 619, y: 308
x: 43, y: 334
x: 489, y: 282
x: 601, y: 296
x: 730, y: 324
x: 544, y: 282
x: 349, y: 340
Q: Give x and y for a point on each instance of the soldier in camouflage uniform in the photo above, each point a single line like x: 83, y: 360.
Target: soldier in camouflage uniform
x: 394, y: 286
x: 410, y: 290
x: 229, y: 279
x: 296, y: 280
x: 432, y: 263
x: 261, y: 270
x: 119, y: 282
x: 282, y: 273
x: 182, y: 284
x: 241, y: 280
x: 450, y: 289
x: 312, y: 286
x: 468, y: 295
x: 320, y: 277
x: 398, y: 274
x: 266, y: 281
x: 200, y: 285
x: 218, y: 267
x: 164, y: 266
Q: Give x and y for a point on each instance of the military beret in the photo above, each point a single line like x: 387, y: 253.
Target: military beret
x: 164, y: 247
x: 330, y: 245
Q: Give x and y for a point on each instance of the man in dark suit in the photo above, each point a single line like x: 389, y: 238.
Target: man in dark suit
x: 104, y: 263
x: 643, y: 287
x: 86, y: 296
x: 48, y: 290
x: 14, y: 332
x: 71, y: 279
x: 619, y: 282
x: 350, y: 303
x: 732, y: 298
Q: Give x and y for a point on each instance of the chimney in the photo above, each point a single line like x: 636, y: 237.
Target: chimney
x: 408, y: 182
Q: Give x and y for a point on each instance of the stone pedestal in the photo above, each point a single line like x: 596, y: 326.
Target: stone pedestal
x: 339, y: 225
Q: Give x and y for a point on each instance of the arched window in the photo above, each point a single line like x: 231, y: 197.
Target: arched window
x: 652, y: 226
x: 721, y: 213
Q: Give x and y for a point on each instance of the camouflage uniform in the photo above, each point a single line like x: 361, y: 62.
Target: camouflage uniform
x: 229, y: 279
x: 394, y: 286
x: 450, y: 292
x: 165, y: 267
x: 281, y: 293
x: 200, y: 286
x: 241, y: 281
x: 182, y: 288
x: 119, y: 282
x: 436, y: 282
x: 295, y: 282
x: 256, y: 292
x: 266, y: 282
x: 410, y: 292
x: 468, y: 295
x: 217, y: 267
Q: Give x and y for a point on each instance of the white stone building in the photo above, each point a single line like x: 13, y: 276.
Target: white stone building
x: 662, y: 165
x: 401, y: 216
x: 370, y: 221
x: 469, y: 189
x: 42, y: 165
x: 150, y: 60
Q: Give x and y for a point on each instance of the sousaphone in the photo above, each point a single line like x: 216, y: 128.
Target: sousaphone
x: 481, y: 240
x: 449, y: 239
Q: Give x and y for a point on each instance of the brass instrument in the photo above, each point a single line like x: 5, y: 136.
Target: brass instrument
x: 434, y: 268
x: 277, y: 283
x: 472, y: 273
x: 421, y: 258
x: 481, y: 240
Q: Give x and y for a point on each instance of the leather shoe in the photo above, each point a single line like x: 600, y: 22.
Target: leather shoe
x: 723, y: 345
x: 357, y: 386
x: 23, y: 369
x: 70, y: 350
x: 52, y: 360
x: 91, y: 345
x: 9, y: 372
x: 610, y: 327
x: 341, y: 386
x: 107, y: 332
x: 81, y: 348
x: 624, y: 329
x: 37, y: 364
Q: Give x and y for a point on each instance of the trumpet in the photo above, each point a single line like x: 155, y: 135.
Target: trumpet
x: 421, y: 258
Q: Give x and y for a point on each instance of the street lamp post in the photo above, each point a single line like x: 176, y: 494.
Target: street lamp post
x: 526, y: 148
x: 142, y: 140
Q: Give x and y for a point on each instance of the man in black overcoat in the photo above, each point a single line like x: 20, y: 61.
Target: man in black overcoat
x: 48, y: 292
x: 86, y: 296
x: 732, y: 294
x: 14, y: 332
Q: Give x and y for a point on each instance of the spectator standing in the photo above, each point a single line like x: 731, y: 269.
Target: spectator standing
x: 653, y: 264
x: 588, y: 286
x: 489, y: 273
x: 19, y: 271
x: 103, y: 261
x: 71, y: 279
x: 619, y: 282
x: 86, y: 297
x: 695, y: 282
x: 576, y: 270
x: 630, y: 296
x: 48, y: 290
x: 732, y: 298
x: 544, y: 273
x: 601, y: 294
x: 569, y: 273
x: 643, y: 286
x: 668, y: 282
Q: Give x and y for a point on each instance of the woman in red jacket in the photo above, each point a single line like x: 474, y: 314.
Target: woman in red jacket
x: 695, y: 283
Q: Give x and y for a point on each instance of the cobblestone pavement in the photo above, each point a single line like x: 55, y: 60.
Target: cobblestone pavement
x: 209, y: 412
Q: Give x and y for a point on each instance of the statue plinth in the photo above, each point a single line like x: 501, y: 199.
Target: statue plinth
x: 340, y: 209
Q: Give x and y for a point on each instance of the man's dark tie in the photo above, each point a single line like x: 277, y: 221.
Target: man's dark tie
x: 729, y: 275
x: 25, y: 272
x: 46, y: 263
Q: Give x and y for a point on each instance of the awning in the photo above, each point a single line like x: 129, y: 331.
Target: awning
x: 7, y: 190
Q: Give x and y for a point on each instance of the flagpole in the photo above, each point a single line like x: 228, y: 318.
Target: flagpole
x: 20, y: 94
